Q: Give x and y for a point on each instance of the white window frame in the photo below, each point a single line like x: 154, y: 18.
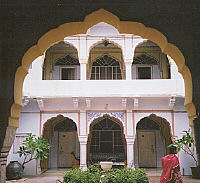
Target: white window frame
x: 68, y: 67
x: 143, y: 65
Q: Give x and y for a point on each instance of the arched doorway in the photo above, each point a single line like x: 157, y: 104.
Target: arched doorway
x: 152, y: 140
x: 106, y: 141
x: 61, y: 132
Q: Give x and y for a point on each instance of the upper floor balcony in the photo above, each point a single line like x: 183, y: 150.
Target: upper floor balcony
x: 104, y: 88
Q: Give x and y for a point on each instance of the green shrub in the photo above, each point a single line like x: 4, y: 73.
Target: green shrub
x: 94, y: 174
x: 126, y: 175
x: 91, y: 175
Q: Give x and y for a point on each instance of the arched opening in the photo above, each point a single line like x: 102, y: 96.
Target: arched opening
x: 61, y: 132
x: 69, y: 29
x: 106, y: 141
x: 149, y: 62
x: 105, y: 62
x: 61, y: 62
x: 153, y: 135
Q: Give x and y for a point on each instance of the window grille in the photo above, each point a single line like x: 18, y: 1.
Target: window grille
x: 106, y: 68
x: 107, y: 138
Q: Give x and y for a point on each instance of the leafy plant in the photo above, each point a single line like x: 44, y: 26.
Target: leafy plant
x: 126, y: 175
x: 94, y: 174
x: 33, y: 148
x: 186, y: 143
x: 91, y: 175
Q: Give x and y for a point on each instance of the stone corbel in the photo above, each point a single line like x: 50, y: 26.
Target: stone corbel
x: 75, y: 102
x: 172, y: 101
x: 136, y: 103
x: 124, y: 102
x: 25, y: 100
x: 88, y: 102
x: 40, y: 102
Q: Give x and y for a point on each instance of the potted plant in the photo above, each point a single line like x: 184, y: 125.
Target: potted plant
x: 187, y: 143
x: 33, y: 148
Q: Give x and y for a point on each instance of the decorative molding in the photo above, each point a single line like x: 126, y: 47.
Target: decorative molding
x: 25, y: 100
x: 136, y: 103
x: 124, y: 102
x: 40, y: 102
x: 75, y: 102
x: 94, y: 115
x: 88, y: 102
x: 172, y: 101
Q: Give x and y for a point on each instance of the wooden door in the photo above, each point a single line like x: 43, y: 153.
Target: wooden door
x: 67, y: 144
x: 146, y: 149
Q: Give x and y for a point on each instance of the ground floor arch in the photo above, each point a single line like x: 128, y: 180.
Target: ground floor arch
x: 106, y: 140
x: 153, y: 135
x: 61, y: 133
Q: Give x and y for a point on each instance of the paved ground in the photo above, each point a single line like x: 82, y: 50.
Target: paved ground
x: 52, y: 176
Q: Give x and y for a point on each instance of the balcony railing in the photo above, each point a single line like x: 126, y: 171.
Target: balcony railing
x: 104, y: 88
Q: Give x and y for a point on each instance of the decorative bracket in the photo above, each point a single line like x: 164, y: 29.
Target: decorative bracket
x: 88, y: 102
x: 136, y: 103
x: 172, y: 101
x: 75, y: 101
x: 40, y: 102
x: 26, y: 100
x: 124, y: 102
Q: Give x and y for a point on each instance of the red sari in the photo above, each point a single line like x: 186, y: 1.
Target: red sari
x: 171, y: 169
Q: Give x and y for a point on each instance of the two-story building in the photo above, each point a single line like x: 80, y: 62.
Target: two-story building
x: 104, y: 96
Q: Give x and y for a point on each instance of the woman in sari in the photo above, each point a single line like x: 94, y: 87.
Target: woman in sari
x: 171, y: 168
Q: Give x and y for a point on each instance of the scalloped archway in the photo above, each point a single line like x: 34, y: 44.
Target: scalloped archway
x: 55, y: 35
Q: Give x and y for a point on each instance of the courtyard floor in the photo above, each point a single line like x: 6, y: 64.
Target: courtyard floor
x: 52, y: 176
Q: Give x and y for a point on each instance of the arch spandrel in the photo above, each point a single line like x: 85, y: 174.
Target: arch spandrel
x: 68, y: 29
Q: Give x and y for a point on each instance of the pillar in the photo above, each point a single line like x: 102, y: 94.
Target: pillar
x: 128, y: 64
x: 83, y: 71
x: 83, y: 152
x: 7, y: 136
x: 130, y: 151
x: 196, y: 125
x: 83, y: 140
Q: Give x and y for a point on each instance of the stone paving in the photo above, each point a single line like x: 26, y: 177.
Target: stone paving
x: 52, y: 176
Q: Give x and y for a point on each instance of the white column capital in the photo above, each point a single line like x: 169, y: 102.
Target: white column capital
x: 83, y: 60
x: 83, y: 139
x: 128, y: 60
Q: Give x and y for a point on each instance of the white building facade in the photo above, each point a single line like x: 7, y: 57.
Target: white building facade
x: 104, y: 96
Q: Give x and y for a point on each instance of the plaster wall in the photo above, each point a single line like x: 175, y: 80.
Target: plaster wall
x: 181, y: 124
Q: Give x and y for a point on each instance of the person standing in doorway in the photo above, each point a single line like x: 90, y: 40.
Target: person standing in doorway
x: 171, y: 168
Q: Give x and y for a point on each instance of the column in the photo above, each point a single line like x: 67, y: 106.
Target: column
x: 83, y: 152
x: 83, y: 71
x: 128, y: 64
x: 130, y: 152
x: 196, y: 129
x: 83, y: 140
x: 130, y: 123
x: 7, y: 136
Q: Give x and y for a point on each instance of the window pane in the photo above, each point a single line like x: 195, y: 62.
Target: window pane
x: 144, y: 72
x: 68, y: 73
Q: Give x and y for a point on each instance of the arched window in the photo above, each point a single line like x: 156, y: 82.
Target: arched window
x: 68, y: 67
x: 107, y: 141
x: 144, y: 65
x: 106, y: 68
